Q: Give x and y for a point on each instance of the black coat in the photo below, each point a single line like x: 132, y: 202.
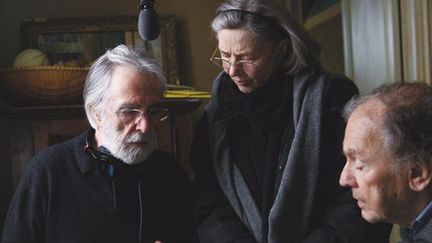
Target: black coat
x: 308, y: 203
x: 63, y: 196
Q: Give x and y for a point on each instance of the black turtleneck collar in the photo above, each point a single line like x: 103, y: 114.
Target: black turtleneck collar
x: 266, y: 105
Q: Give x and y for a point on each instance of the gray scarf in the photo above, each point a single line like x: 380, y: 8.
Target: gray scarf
x: 290, y: 214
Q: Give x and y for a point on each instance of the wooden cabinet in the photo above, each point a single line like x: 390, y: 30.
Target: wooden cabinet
x: 31, y: 129
x: 27, y: 130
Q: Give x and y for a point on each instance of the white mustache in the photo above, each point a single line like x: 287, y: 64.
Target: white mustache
x: 138, y: 138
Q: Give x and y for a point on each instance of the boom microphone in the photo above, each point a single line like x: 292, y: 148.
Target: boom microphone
x: 148, y: 21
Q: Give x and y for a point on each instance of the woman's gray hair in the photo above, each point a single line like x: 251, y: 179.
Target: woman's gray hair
x: 407, y: 122
x: 271, y: 23
x: 99, y: 77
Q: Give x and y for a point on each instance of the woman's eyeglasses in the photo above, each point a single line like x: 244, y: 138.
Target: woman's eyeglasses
x: 226, y: 64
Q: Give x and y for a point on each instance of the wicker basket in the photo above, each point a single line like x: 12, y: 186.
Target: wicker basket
x: 43, y: 85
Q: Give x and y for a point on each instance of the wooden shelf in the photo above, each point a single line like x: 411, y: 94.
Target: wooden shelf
x: 67, y: 111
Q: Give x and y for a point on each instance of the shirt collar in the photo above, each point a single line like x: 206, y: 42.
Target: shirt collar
x: 422, y: 219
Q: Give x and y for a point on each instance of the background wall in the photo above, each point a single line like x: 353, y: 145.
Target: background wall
x: 195, y: 40
x: 329, y: 35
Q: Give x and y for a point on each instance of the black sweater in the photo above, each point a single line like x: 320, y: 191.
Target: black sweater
x: 64, y: 197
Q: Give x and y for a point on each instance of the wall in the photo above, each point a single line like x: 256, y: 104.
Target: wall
x: 329, y: 35
x: 195, y: 41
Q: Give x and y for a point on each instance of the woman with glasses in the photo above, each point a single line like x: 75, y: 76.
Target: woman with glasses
x: 267, y: 150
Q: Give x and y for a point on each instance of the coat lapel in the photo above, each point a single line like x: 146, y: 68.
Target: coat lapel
x: 425, y: 235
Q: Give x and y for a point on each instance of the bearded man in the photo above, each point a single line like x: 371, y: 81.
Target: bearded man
x: 109, y: 184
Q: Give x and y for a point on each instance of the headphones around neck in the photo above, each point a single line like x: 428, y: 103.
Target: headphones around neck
x: 110, y: 166
x: 105, y: 160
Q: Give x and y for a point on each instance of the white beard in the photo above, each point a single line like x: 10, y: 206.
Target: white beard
x: 124, y: 149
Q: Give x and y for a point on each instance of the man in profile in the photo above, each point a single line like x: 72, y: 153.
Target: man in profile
x: 109, y: 184
x: 388, y: 146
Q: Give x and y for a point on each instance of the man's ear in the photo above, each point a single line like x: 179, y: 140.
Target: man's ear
x: 420, y: 176
x: 96, y: 116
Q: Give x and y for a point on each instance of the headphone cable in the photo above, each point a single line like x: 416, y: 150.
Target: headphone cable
x: 141, y: 209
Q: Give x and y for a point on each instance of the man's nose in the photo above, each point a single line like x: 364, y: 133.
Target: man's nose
x: 347, y: 179
x: 143, y: 125
x: 234, y: 69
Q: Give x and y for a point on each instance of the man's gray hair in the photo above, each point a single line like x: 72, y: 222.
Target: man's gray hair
x: 99, y: 78
x: 407, y: 122
x: 271, y: 23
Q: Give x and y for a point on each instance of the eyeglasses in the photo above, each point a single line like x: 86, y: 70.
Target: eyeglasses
x: 226, y: 64
x: 153, y: 114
